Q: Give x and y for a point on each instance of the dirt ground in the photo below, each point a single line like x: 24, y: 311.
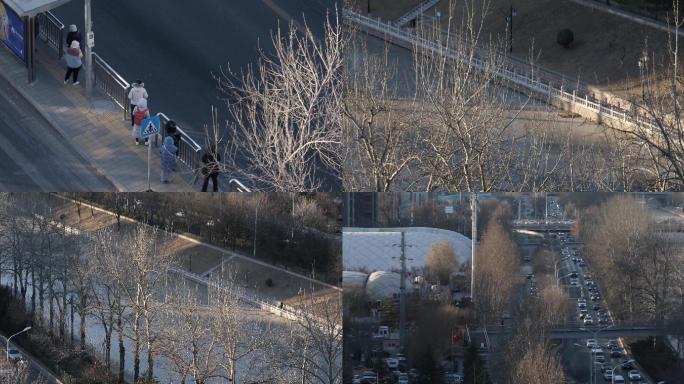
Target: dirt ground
x: 606, y: 49
x: 386, y: 9
x: 605, y: 52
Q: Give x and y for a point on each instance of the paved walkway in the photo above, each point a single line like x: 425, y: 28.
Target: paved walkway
x: 97, y: 131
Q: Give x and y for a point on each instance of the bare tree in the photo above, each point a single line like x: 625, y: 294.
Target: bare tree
x: 381, y: 141
x: 243, y: 338
x: 496, y: 273
x: 661, y: 131
x: 188, y: 340
x: 316, y: 341
x: 440, y: 262
x: 284, y: 114
x: 538, y: 365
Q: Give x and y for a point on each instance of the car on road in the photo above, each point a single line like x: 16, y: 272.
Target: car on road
x: 627, y: 365
x: 608, y: 375
x: 574, y: 282
x: 403, y: 379
x: 14, y: 355
x: 634, y: 375
x: 452, y: 378
x: 392, y: 363
x: 618, y: 379
x: 591, y: 343
x: 615, y: 352
x: 369, y: 377
x: 588, y: 320
x: 598, y: 355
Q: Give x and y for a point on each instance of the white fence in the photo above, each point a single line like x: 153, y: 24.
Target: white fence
x: 510, y: 71
x: 415, y: 11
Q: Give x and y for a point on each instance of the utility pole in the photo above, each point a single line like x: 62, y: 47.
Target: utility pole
x: 256, y: 216
x: 473, y: 213
x: 89, y: 50
x: 402, y: 295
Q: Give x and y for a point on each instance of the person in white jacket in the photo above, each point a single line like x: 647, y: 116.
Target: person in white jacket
x: 137, y: 93
x: 74, y: 61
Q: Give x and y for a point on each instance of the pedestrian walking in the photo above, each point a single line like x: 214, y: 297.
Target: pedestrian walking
x: 140, y: 113
x: 211, y: 168
x: 168, y: 159
x: 137, y: 93
x: 172, y: 130
x: 74, y: 61
x: 73, y: 34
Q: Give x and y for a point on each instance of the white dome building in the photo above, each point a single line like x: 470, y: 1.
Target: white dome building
x: 378, y: 249
x: 353, y: 280
x: 383, y: 285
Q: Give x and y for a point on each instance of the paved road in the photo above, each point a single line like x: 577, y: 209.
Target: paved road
x: 175, y: 46
x: 34, y: 156
x: 36, y: 368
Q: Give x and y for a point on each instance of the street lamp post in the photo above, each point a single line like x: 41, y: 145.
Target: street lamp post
x: 612, y: 379
x: 592, y: 377
x: 509, y: 20
x: 9, y: 338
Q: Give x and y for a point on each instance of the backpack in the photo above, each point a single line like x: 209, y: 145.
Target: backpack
x: 139, y: 116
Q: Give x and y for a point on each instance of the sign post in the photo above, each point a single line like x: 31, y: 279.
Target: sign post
x: 149, y: 127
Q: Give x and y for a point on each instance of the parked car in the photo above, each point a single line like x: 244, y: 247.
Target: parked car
x: 14, y: 355
x: 591, y: 343
x: 588, y: 320
x: 596, y: 306
x: 403, y: 379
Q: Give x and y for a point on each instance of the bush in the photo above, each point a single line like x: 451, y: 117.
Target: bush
x: 565, y: 37
x: 269, y: 282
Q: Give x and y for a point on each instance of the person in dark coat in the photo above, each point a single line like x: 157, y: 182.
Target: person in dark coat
x: 172, y: 130
x: 73, y: 34
x: 211, y: 168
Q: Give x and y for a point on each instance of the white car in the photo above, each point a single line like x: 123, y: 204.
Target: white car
x: 608, y: 375
x: 392, y: 363
x: 634, y: 375
x: 591, y: 343
x: 588, y: 320
x: 14, y: 355
x: 618, y: 379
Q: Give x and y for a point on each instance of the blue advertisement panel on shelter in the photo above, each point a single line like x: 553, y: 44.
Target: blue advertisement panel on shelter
x: 12, y: 30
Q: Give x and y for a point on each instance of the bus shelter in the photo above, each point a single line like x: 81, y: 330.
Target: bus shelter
x: 19, y: 29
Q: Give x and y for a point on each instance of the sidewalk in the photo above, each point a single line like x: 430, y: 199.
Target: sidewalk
x: 97, y: 131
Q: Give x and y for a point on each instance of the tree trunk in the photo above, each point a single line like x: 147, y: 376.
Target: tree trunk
x: 136, y: 347
x: 82, y: 314
x: 122, y: 347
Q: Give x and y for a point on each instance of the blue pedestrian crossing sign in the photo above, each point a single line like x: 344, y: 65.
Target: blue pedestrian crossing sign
x: 150, y: 127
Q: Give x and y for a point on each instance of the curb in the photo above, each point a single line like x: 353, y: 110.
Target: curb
x: 119, y: 187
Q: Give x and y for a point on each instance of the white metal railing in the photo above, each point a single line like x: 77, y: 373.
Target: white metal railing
x: 113, y: 84
x: 188, y: 149
x: 414, y: 12
x: 51, y: 30
x: 509, y: 71
x: 238, y: 185
x: 116, y: 87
